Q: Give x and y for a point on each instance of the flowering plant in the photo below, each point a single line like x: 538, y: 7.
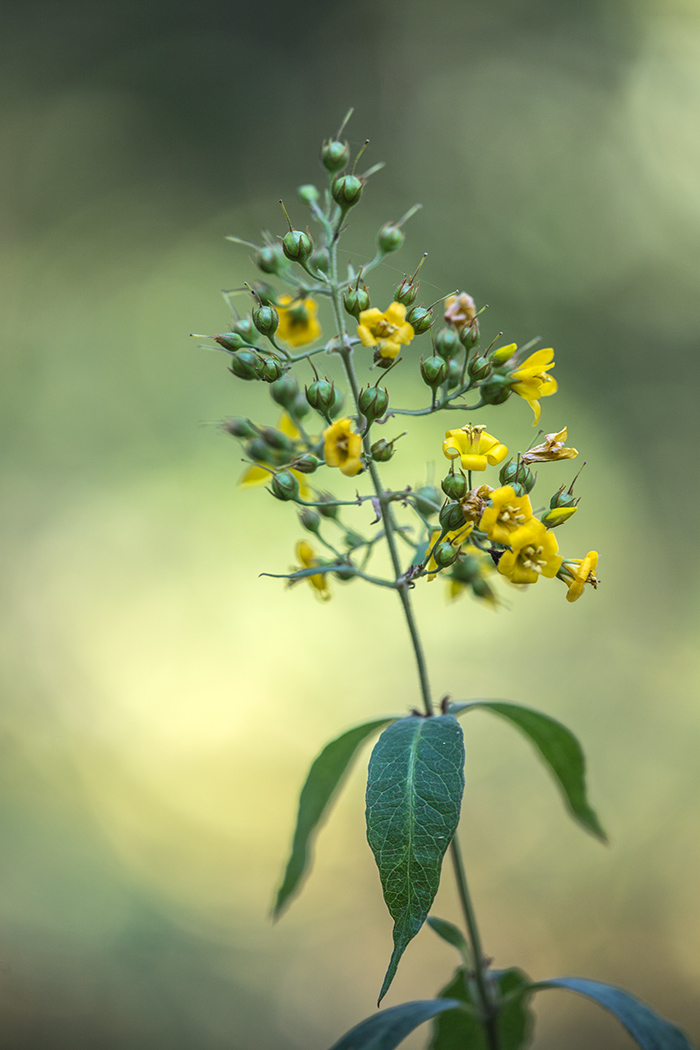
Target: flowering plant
x: 469, y: 532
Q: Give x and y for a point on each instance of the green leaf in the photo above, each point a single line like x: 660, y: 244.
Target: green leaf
x: 414, y: 793
x: 450, y: 933
x: 325, y: 777
x: 385, y: 1030
x: 646, y: 1027
x: 559, y: 749
x: 462, y: 1030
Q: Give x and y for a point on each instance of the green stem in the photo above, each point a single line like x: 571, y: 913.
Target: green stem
x: 489, y: 1012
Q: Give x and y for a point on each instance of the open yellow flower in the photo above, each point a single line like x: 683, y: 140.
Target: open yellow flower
x: 535, y: 556
x: 342, y: 447
x: 305, y: 554
x: 259, y: 474
x: 298, y: 325
x: 388, y: 331
x: 508, y: 518
x: 552, y: 448
x: 474, y: 446
x: 531, y: 381
x: 582, y: 571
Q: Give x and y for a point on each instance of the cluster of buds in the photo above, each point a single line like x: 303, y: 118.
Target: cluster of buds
x: 468, y: 533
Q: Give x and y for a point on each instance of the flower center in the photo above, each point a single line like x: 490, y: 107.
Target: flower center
x: 510, y: 515
x: 531, y: 559
x: 385, y: 328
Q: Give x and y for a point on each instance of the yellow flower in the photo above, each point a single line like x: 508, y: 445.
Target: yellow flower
x: 298, y: 325
x: 342, y: 447
x: 459, y: 310
x: 551, y: 449
x: 535, y: 556
x: 476, y: 448
x: 388, y: 330
x: 258, y: 474
x: 508, y: 518
x: 557, y: 516
x: 305, y: 554
x: 531, y: 381
x: 456, y: 537
x: 585, y: 573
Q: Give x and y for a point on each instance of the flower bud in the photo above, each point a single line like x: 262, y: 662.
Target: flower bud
x: 467, y: 569
x: 515, y: 473
x: 310, y: 519
x: 469, y: 335
x: 307, y: 463
x: 240, y: 427
x: 230, y: 341
x: 373, y: 402
x: 420, y: 319
x: 407, y: 291
x: 285, y: 390
x: 482, y: 589
x: 495, y: 393
x: 390, y: 238
x: 258, y: 450
x: 434, y: 371
x: 308, y: 194
x: 269, y: 259
x: 244, y: 364
x: 355, y: 300
x: 444, y: 554
x: 276, y: 439
x: 284, y: 485
x: 347, y: 190
x: 270, y: 369
x: 244, y: 327
x: 382, y: 450
x: 321, y: 394
x: 427, y: 500
x: 300, y: 408
x: 455, y: 370
x: 334, y: 155
x: 326, y: 507
x: 265, y: 318
x: 454, y: 486
x: 345, y: 574
x: 479, y: 368
x: 297, y: 246
x: 447, y: 343
x: 557, y: 516
x: 320, y: 260
x: 563, y: 499
x: 452, y: 516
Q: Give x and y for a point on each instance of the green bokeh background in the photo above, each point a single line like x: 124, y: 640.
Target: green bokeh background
x: 161, y: 703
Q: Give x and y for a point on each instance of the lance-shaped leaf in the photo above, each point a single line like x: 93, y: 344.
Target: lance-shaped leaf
x: 325, y: 777
x: 414, y: 793
x: 462, y: 1029
x: 559, y: 749
x: 451, y: 934
x: 385, y: 1030
x: 645, y: 1026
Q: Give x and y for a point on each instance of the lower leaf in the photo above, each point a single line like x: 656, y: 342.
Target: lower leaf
x: 385, y: 1030
x: 463, y: 1030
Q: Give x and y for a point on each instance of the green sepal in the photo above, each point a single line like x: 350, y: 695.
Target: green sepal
x: 415, y: 785
x: 385, y: 1030
x: 463, y: 1030
x: 322, y: 783
x: 558, y: 748
x: 648, y: 1029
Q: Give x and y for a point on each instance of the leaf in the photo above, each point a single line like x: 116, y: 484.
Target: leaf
x: 325, y: 777
x: 385, y: 1030
x: 646, y: 1027
x: 450, y: 933
x: 462, y: 1030
x: 559, y: 749
x: 414, y: 793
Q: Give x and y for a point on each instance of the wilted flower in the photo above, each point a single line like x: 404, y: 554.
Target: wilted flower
x: 580, y: 571
x: 459, y: 310
x: 551, y: 449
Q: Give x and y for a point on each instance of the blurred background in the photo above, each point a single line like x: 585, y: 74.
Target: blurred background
x: 161, y: 703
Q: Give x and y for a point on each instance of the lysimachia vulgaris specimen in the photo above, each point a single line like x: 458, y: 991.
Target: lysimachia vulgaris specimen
x: 306, y: 312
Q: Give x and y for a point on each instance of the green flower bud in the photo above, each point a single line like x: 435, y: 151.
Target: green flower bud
x: 382, y: 450
x: 269, y: 259
x: 563, y: 499
x: 452, y: 516
x: 335, y: 155
x: 514, y: 473
x: 265, y: 318
x: 244, y: 364
x: 307, y: 463
x: 454, y: 486
x: 518, y: 489
x: 479, y: 368
x: 345, y: 574
x: 259, y: 451
x: 285, y: 390
x: 320, y: 260
x: 482, y: 589
x: 447, y: 343
x: 276, y: 439
x: 326, y: 506
x: 467, y: 568
x: 434, y: 371
x: 347, y: 190
x: 240, y: 427
x: 495, y: 393
x: 355, y: 300
x: 300, y: 408
x: 270, y: 369
x: 420, y: 319
x: 310, y: 519
x: 321, y: 395
x: 308, y: 194
x: 454, y: 373
x: 284, y: 485
x: 244, y: 327
x: 445, y: 554
x: 407, y: 291
x: 297, y: 246
x: 469, y: 334
x: 230, y: 341
x: 373, y: 402
x: 390, y: 238
x: 265, y: 293
x: 427, y: 500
